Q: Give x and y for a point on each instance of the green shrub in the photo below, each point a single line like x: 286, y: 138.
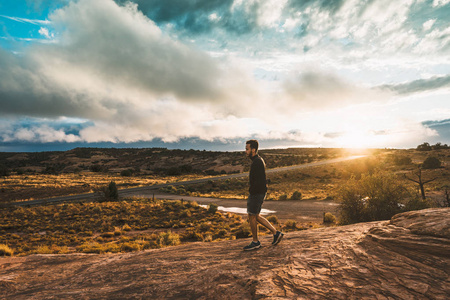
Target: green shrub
x: 283, y: 197
x: 243, y: 231
x: 431, y: 162
x: 290, y: 224
x: 401, y: 160
x: 329, y: 218
x: 168, y: 239
x: 5, y: 250
x: 130, y: 246
x: 4, y: 171
x: 126, y: 173
x: 110, y: 192
x: 296, y: 196
x: 212, y: 208
x: 273, y: 219
x: 373, y: 197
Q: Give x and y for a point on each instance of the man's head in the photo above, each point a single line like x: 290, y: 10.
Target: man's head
x: 251, y: 148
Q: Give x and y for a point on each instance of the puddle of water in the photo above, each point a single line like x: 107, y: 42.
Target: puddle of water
x: 238, y: 210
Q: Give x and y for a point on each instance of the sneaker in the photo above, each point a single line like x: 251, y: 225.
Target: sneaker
x: 253, y: 246
x: 277, y: 237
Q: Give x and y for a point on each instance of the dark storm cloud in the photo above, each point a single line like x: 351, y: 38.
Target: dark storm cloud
x: 417, y: 86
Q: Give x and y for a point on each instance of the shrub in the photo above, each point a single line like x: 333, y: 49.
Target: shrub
x: 110, y: 192
x: 373, y: 197
x: 186, y: 213
x: 126, y: 173
x: 424, y: 147
x: 290, y: 224
x: 126, y: 227
x: 296, y: 196
x: 401, y: 160
x: 4, y: 171
x: 212, y: 208
x: 96, y: 168
x: 283, y: 197
x: 273, y: 219
x: 243, y: 231
x: 431, y: 162
x: 5, y: 250
x: 329, y: 218
x: 130, y: 246
x: 168, y: 239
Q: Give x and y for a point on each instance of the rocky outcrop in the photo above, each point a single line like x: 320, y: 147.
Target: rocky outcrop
x: 407, y: 257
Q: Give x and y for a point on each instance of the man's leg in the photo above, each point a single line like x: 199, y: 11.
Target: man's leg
x: 263, y: 221
x: 252, y: 219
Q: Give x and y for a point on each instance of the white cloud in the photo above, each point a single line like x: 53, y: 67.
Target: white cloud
x: 428, y: 24
x: 440, y: 2
x: 30, y: 21
x: 44, y: 31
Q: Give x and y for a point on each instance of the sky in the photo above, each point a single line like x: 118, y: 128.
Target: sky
x: 211, y: 74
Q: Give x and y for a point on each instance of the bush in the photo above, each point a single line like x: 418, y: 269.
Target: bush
x: 431, y: 162
x: 290, y: 224
x: 168, y: 239
x: 126, y: 173
x: 273, y: 219
x: 296, y: 196
x: 4, y: 171
x: 110, y: 192
x: 243, y: 231
x: 5, y: 250
x: 373, y: 197
x: 212, y: 208
x: 424, y: 147
x: 96, y: 168
x: 329, y: 218
x: 401, y: 160
x: 283, y: 197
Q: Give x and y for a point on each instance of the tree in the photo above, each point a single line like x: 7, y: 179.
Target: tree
x: 424, y: 147
x: 420, y: 181
x: 110, y: 192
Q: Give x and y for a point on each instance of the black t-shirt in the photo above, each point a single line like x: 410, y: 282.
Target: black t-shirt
x: 257, y: 177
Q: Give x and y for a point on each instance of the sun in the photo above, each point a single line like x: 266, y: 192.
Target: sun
x: 359, y: 140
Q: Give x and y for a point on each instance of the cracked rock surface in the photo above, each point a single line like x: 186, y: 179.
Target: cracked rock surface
x: 407, y: 257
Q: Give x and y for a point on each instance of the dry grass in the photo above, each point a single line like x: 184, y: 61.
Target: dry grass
x: 132, y: 225
x: 41, y: 186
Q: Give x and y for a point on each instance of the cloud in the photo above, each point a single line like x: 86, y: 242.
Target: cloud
x: 114, y: 66
x: 442, y: 127
x: 321, y: 90
x: 30, y: 21
x: 420, y: 85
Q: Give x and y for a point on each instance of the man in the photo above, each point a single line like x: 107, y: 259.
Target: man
x: 258, y: 190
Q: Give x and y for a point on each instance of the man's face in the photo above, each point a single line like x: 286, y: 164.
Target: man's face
x: 249, y: 151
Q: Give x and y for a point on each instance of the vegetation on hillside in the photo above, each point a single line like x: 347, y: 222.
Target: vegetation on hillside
x: 122, y: 226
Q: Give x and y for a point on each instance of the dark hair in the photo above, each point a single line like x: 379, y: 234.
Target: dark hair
x: 253, y: 144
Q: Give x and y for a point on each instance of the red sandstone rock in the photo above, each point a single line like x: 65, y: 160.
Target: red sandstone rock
x: 405, y: 258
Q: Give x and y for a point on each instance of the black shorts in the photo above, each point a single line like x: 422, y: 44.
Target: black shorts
x: 254, y: 203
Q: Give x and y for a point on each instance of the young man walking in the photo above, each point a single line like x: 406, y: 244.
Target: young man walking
x: 258, y: 190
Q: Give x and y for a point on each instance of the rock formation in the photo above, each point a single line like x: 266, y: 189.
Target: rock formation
x: 407, y: 257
